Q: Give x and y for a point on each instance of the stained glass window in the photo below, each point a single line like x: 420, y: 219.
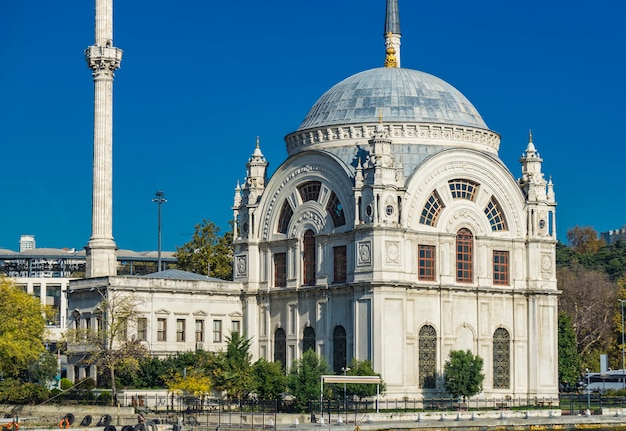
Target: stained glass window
x: 464, y: 256
x: 308, y: 257
x: 308, y: 341
x: 335, y: 209
x: 463, y: 189
x: 427, y: 357
x: 501, y: 359
x: 310, y: 190
x: 495, y: 215
x: 280, y: 347
x: 431, y: 209
x: 340, y: 349
x: 285, y: 217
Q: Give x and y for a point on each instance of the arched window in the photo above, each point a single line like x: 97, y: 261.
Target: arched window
x: 339, y: 349
x: 310, y: 191
x: 432, y: 208
x: 427, y: 357
x: 501, y: 359
x: 308, y: 341
x: 308, y: 258
x: 495, y: 215
x: 464, y: 256
x: 335, y: 209
x: 280, y: 347
x: 285, y: 217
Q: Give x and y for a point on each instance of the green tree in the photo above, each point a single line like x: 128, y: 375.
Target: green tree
x: 569, y: 359
x: 361, y: 390
x: 304, y: 379
x: 269, y: 379
x: 584, y: 239
x: 22, y: 329
x: 107, y: 346
x: 463, y: 374
x: 44, y: 369
x: 207, y: 252
x: 232, y: 370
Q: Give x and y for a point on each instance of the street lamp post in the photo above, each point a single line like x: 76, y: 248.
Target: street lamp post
x: 159, y: 199
x: 621, y: 301
x: 345, y: 403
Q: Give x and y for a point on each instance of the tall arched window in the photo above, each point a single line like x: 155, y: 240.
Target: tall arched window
x: 308, y: 257
x: 501, y: 359
x: 280, y: 347
x: 427, y: 357
x: 339, y: 349
x: 308, y: 341
x: 464, y: 256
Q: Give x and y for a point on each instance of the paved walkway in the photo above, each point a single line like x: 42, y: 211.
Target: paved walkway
x: 504, y: 423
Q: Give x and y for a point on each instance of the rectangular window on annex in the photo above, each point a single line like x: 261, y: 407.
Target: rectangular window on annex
x: 180, y: 330
x: 280, y: 269
x: 199, y: 331
x: 426, y: 262
x: 235, y: 326
x: 217, y: 331
x: 161, y: 329
x: 142, y: 329
x: 339, y: 264
x: 501, y: 267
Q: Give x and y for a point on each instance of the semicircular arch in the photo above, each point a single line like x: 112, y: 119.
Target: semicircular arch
x: 494, y: 181
x: 334, y: 177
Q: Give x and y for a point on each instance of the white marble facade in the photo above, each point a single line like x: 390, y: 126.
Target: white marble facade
x: 394, y: 233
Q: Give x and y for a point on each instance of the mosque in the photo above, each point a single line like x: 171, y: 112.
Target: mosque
x: 392, y: 233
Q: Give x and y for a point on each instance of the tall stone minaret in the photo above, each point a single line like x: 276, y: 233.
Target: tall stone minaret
x: 103, y: 59
x: 392, y: 32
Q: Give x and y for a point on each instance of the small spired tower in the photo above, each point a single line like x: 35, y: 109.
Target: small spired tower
x: 103, y: 59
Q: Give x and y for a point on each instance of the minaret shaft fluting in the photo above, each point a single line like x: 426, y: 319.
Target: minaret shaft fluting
x: 103, y: 59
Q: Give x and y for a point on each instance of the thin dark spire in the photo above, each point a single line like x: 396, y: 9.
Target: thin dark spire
x: 392, y: 18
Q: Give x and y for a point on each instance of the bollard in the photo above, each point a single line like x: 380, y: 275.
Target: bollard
x: 419, y: 417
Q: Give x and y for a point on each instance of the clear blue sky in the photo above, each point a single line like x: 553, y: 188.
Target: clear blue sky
x: 201, y: 79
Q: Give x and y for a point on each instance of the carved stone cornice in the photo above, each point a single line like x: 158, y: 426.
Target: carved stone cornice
x: 300, y: 140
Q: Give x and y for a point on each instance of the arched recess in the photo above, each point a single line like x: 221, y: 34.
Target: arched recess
x: 280, y: 347
x: 336, y: 179
x: 488, y: 172
x: 308, y: 339
x: 340, y: 349
x: 465, y: 338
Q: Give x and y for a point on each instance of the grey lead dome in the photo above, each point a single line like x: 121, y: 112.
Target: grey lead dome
x: 403, y: 95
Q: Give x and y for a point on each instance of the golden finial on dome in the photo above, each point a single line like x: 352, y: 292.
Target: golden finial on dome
x: 380, y: 116
x: 390, y: 59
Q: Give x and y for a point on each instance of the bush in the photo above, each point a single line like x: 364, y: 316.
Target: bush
x: 66, y: 384
x: 104, y: 398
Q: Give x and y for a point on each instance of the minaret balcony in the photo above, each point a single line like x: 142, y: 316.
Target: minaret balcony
x: 98, y: 56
